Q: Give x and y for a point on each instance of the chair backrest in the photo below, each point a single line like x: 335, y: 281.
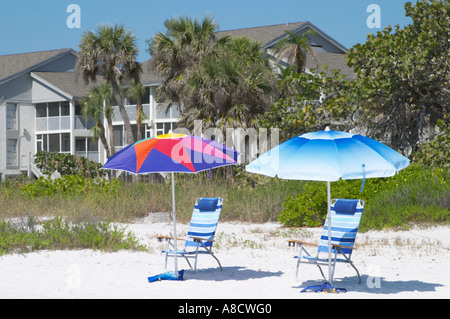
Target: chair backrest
x: 204, y: 220
x: 345, y: 218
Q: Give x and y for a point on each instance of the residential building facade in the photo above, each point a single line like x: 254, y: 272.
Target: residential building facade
x: 40, y: 95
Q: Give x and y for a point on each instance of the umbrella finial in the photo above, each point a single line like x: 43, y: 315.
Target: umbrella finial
x: 327, y: 129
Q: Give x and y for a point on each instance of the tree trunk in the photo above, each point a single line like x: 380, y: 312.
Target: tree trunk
x: 103, y: 139
x: 111, y: 131
x: 123, y: 112
x: 139, y: 118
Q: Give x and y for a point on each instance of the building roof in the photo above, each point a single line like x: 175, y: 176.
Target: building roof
x: 149, y: 74
x: 16, y: 64
x: 332, y: 61
x: 268, y: 36
x: 67, y: 82
x: 264, y: 34
x: 71, y: 84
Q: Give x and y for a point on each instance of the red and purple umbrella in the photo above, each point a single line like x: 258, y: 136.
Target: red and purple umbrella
x: 171, y: 153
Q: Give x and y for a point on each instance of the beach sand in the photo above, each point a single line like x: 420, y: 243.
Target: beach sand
x: 257, y: 264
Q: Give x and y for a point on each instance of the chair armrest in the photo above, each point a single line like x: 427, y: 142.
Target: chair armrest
x: 340, y: 246
x: 292, y: 243
x: 201, y: 239
x: 161, y: 238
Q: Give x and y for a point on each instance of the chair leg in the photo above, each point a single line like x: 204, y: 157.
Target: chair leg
x: 212, y: 254
x: 196, y: 257
x: 297, y: 267
x: 216, y: 260
x: 321, y: 272
x: 357, y: 272
x: 351, y: 264
x: 187, y: 260
x: 165, y: 265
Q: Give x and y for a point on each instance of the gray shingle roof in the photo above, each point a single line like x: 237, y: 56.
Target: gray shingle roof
x: 68, y: 82
x: 266, y: 35
x: 149, y: 74
x: 332, y: 61
x: 263, y: 34
x: 17, y: 63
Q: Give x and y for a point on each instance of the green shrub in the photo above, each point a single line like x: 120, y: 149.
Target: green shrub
x: 436, y: 153
x: 414, y: 186
x: 68, y: 184
x: 67, y: 164
x: 422, y: 198
x: 55, y: 234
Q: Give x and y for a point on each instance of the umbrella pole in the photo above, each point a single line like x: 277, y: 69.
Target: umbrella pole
x: 174, y: 225
x: 329, y: 230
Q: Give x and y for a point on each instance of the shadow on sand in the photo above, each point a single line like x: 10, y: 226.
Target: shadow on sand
x: 229, y: 273
x: 376, y: 285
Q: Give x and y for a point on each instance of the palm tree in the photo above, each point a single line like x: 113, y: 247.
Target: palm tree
x: 230, y: 88
x: 295, y: 47
x: 105, y: 94
x: 110, y: 52
x: 135, y: 92
x: 179, y: 50
x: 92, y: 108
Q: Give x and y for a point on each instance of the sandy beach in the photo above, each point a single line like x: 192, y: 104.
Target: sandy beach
x: 257, y: 264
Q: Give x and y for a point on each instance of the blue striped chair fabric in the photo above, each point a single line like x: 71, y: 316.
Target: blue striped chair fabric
x: 344, y: 227
x: 204, y: 221
x: 345, y: 219
x: 202, y: 230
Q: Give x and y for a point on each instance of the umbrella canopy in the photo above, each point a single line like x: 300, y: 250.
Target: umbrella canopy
x: 329, y: 156
x: 172, y: 153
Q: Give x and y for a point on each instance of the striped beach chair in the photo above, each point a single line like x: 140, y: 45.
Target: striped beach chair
x: 201, y: 232
x: 345, y: 219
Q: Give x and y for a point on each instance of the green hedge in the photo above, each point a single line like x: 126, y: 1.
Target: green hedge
x: 416, y: 194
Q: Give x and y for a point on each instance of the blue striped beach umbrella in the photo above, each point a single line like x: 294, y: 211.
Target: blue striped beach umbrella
x: 329, y: 156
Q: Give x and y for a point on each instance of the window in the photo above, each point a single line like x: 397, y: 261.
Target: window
x: 85, y: 147
x: 92, y: 145
x: 65, y: 142
x: 78, y: 108
x: 165, y: 128
x: 11, y: 116
x: 146, y: 97
x: 53, y: 109
x: 131, y: 101
x: 12, y: 153
x: 80, y: 144
x: 41, y: 110
x: 53, y: 142
x: 118, y: 135
x: 39, y: 143
x: 65, y: 108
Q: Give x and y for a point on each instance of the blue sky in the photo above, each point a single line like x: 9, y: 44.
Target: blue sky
x: 31, y: 25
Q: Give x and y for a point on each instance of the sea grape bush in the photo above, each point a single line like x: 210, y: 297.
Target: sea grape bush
x: 415, y: 186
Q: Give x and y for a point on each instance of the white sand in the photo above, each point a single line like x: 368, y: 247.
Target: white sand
x: 257, y: 264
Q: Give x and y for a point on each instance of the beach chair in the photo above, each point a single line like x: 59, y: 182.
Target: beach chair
x: 345, y: 218
x: 201, y: 232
